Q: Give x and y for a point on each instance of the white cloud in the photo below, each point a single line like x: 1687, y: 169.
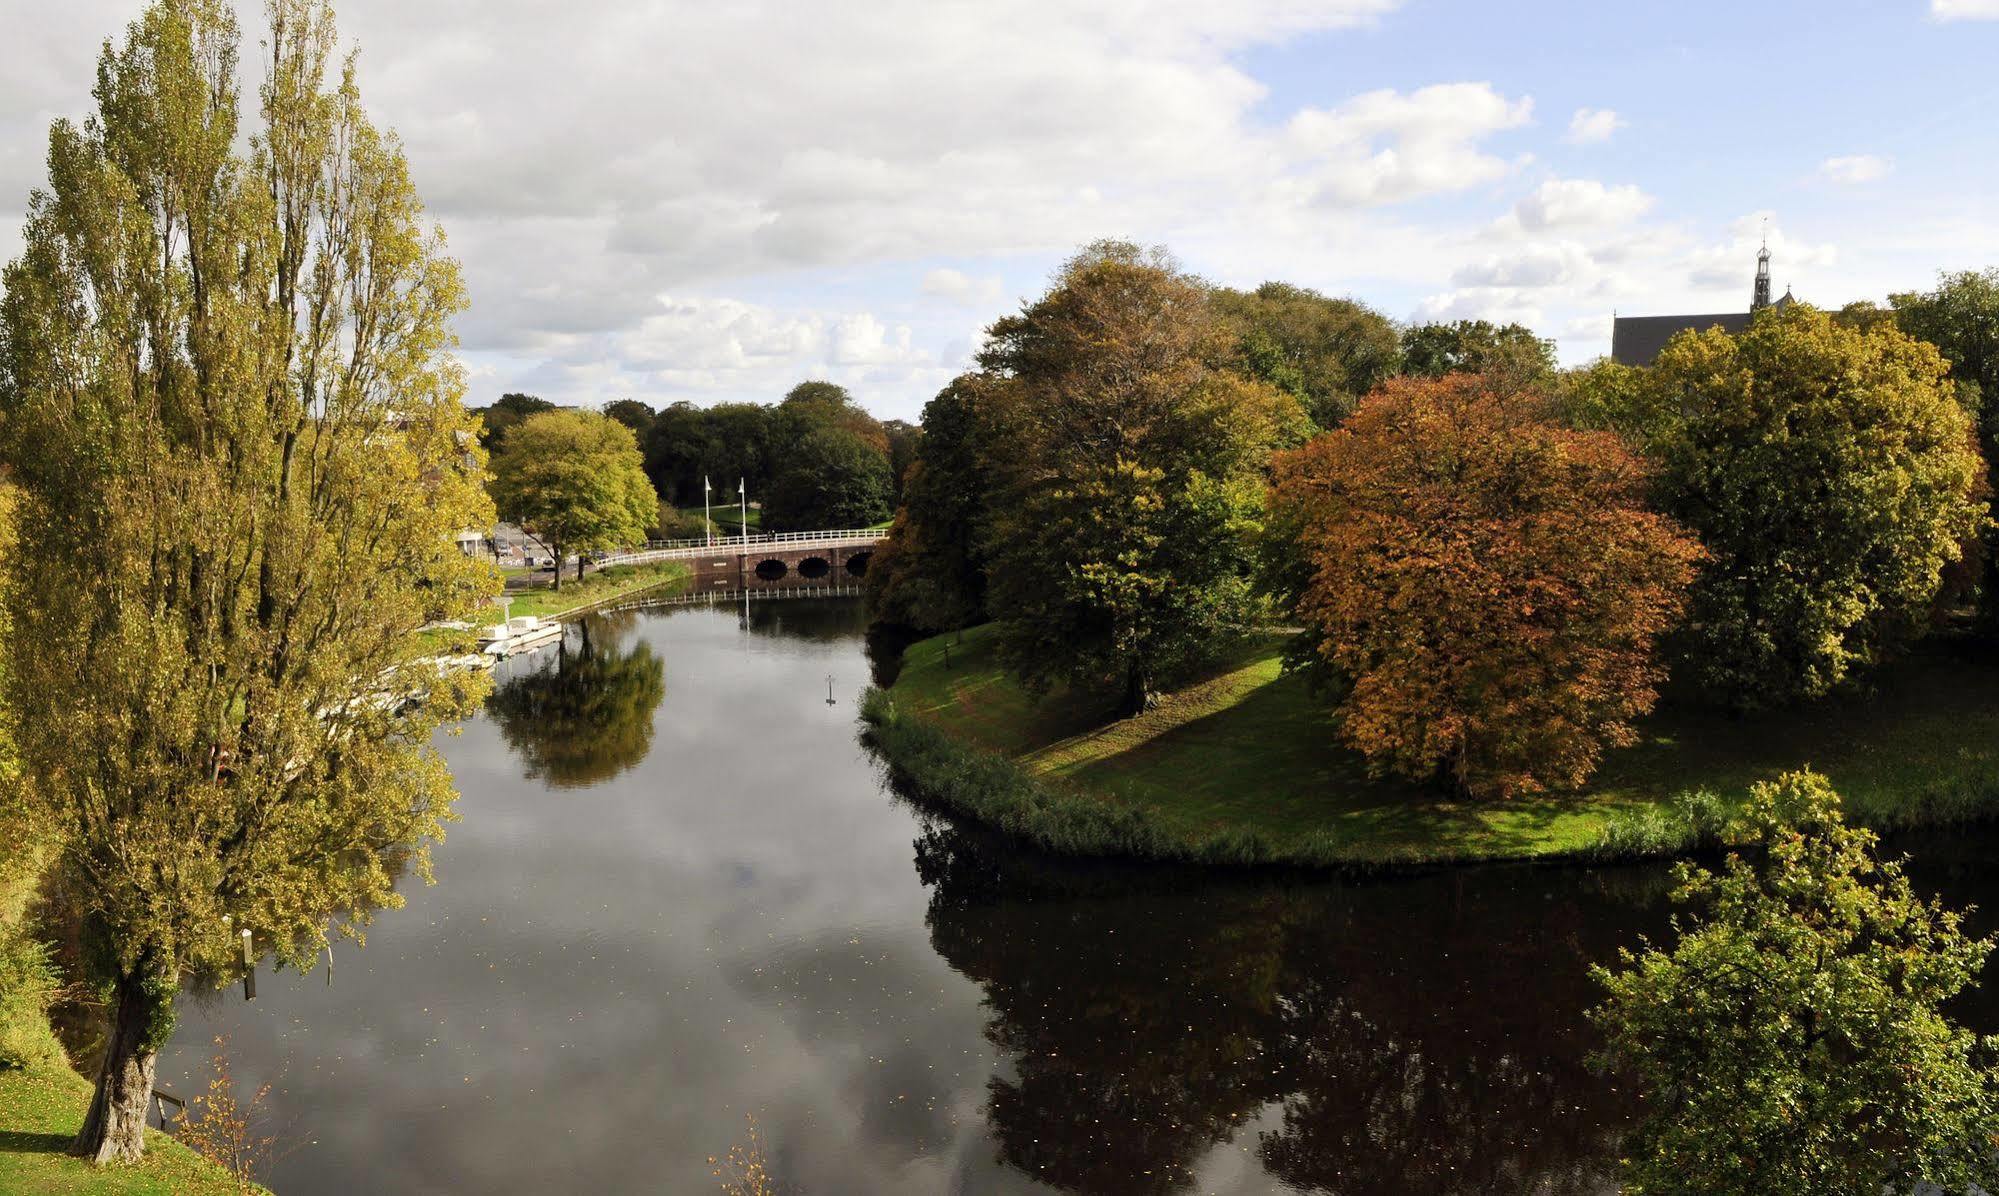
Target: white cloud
x: 1386, y: 146
x: 957, y: 287
x: 1855, y: 168
x: 1590, y: 125
x: 1571, y: 203
x: 1965, y: 10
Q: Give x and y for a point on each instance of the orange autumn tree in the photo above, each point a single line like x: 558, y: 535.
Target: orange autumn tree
x: 1487, y: 583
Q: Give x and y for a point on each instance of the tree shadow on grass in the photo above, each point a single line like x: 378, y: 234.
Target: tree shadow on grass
x: 23, y: 1142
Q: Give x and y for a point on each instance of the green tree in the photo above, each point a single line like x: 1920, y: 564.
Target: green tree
x: 930, y: 572
x: 812, y: 406
x: 676, y: 447
x: 905, y: 445
x: 1133, y: 459
x: 831, y: 479
x: 1794, y: 1038
x: 1829, y: 473
x: 1325, y: 352
x: 633, y: 414
x: 575, y: 480
x: 236, y: 427
x: 505, y: 415
x: 1961, y: 318
x: 585, y: 717
x: 1506, y: 353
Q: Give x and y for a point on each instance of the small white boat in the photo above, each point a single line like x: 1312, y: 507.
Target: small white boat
x: 521, y: 633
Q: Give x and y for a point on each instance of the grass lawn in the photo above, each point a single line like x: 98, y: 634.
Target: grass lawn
x: 1250, y: 751
x: 595, y: 589
x: 41, y: 1108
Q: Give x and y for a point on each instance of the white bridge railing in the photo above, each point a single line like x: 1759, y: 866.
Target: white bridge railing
x: 666, y: 550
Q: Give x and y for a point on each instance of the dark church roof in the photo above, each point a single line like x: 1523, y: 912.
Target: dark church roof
x: 1636, y: 340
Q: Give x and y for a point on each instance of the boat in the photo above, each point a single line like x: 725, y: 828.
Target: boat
x: 522, y: 633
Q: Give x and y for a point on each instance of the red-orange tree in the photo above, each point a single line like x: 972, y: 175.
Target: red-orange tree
x: 1486, y: 581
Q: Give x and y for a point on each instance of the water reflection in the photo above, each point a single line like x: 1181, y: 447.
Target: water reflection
x: 670, y: 906
x: 1417, y: 1035
x: 579, y: 716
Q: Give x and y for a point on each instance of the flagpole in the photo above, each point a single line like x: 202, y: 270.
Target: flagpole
x: 743, y: 497
x: 707, y: 528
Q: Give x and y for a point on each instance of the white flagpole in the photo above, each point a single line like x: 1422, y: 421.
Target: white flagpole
x: 707, y: 528
x: 743, y: 497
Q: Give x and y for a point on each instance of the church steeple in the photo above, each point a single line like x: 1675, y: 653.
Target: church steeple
x: 1762, y: 296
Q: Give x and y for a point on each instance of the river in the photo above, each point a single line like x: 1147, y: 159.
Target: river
x: 681, y: 898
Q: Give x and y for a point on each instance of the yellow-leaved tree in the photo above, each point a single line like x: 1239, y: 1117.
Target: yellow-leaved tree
x: 227, y: 395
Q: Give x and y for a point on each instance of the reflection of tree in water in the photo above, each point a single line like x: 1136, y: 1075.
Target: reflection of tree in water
x: 1423, y: 1035
x: 586, y: 715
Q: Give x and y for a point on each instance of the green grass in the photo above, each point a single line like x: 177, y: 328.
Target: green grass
x: 40, y: 1111
x: 42, y: 1101
x: 1245, y: 764
x: 595, y: 589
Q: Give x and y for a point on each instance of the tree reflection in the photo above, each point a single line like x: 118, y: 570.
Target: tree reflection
x: 1421, y: 1035
x: 584, y: 716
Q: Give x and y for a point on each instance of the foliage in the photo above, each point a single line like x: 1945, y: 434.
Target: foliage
x: 1508, y: 354
x: 1324, y: 352
x: 1131, y: 467
x: 814, y: 406
x: 1961, y: 318
x: 633, y: 414
x: 237, y: 434
x: 1829, y: 473
x: 1488, y: 582
x: 224, y: 1130
x: 929, y: 573
x: 747, y: 1170
x: 575, y: 480
x: 833, y: 478
x: 587, y: 718
x: 905, y: 445
x: 506, y: 414
x: 1793, y: 1039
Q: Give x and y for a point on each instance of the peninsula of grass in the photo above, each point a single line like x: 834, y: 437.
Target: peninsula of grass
x: 1245, y: 766
x: 596, y: 589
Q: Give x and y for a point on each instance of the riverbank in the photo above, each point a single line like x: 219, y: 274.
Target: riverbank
x: 607, y: 585
x: 42, y: 1100
x: 1244, y: 767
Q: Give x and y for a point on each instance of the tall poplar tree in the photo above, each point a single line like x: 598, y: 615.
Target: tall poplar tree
x: 230, y: 405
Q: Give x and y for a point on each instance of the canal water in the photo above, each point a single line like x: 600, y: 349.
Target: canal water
x: 681, y: 902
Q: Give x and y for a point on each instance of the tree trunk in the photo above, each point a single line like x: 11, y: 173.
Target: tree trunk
x: 1139, y: 696
x: 114, y: 1130
x: 556, y: 548
x: 579, y: 566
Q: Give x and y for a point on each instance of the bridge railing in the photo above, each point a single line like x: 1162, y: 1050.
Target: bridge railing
x: 655, y: 549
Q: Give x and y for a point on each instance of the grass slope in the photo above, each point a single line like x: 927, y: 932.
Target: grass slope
x: 40, y: 1111
x: 595, y: 589
x: 1246, y: 765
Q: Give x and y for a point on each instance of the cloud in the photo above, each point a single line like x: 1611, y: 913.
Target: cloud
x: 1571, y: 203
x: 1590, y: 125
x: 1386, y: 146
x: 1547, y: 265
x: 1731, y: 263
x: 1965, y: 10
x: 958, y: 288
x: 1855, y: 168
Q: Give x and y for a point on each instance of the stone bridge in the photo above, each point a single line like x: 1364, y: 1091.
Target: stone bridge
x: 780, y: 558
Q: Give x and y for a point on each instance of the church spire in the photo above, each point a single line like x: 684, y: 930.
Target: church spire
x: 1761, y: 299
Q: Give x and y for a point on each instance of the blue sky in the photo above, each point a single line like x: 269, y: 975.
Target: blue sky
x: 684, y: 200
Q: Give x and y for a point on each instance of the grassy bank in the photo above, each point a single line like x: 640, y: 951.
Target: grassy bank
x: 42, y: 1101
x: 1244, y: 766
x: 619, y: 581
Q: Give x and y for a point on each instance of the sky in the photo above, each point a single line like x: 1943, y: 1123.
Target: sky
x: 691, y: 200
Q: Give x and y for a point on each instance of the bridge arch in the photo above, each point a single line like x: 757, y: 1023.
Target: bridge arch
x: 857, y: 564
x: 771, y: 569
x: 813, y: 568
